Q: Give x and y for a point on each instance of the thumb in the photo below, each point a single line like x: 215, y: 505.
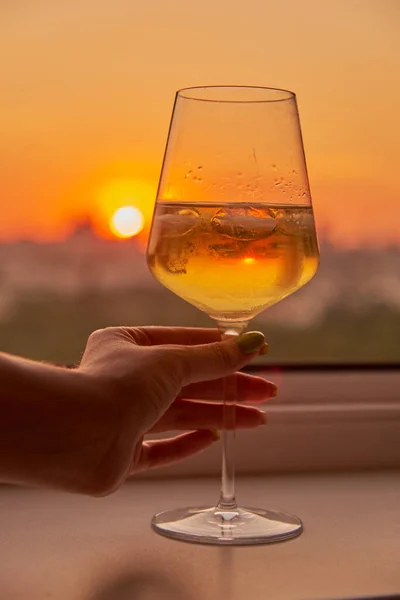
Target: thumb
x: 219, y: 359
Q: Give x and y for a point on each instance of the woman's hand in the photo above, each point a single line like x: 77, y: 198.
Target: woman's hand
x: 157, y: 379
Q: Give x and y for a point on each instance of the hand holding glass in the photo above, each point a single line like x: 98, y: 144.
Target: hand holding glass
x: 233, y: 233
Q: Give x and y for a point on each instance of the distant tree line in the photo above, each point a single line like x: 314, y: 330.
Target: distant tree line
x: 54, y: 327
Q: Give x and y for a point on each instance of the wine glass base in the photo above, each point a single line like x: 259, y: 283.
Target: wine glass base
x: 235, y: 528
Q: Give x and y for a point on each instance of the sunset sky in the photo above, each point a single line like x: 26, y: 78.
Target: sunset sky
x: 87, y: 88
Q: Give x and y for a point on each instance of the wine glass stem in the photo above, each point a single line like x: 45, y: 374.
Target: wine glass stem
x: 227, y: 501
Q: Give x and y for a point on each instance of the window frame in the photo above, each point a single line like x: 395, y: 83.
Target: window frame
x: 325, y: 417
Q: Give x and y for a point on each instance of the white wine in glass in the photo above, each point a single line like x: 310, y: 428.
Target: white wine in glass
x: 233, y: 233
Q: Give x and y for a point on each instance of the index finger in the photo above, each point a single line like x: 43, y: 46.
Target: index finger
x: 190, y: 336
x: 248, y: 388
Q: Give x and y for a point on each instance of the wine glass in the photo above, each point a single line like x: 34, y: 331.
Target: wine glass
x: 233, y: 233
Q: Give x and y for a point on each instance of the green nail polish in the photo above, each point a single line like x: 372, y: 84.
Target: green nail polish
x: 250, y: 342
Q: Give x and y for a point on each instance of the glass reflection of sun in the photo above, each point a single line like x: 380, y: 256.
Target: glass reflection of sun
x: 126, y: 222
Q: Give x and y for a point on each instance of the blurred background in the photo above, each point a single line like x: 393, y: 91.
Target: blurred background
x: 87, y: 94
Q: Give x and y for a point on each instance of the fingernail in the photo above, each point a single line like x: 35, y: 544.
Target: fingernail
x: 250, y: 342
x: 215, y: 435
x: 263, y: 418
x: 264, y: 349
x: 274, y: 391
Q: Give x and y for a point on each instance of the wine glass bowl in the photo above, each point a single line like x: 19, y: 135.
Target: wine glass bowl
x: 233, y: 233
x: 233, y: 260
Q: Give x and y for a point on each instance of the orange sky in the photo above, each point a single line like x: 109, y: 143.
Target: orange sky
x: 87, y: 88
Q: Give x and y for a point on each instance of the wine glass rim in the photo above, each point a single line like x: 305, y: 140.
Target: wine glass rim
x: 288, y: 95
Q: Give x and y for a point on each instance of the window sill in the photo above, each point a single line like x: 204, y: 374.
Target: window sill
x: 104, y: 548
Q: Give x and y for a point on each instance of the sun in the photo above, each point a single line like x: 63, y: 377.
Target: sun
x: 126, y: 222
x: 123, y: 208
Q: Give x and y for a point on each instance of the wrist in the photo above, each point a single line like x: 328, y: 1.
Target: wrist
x: 55, y: 426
